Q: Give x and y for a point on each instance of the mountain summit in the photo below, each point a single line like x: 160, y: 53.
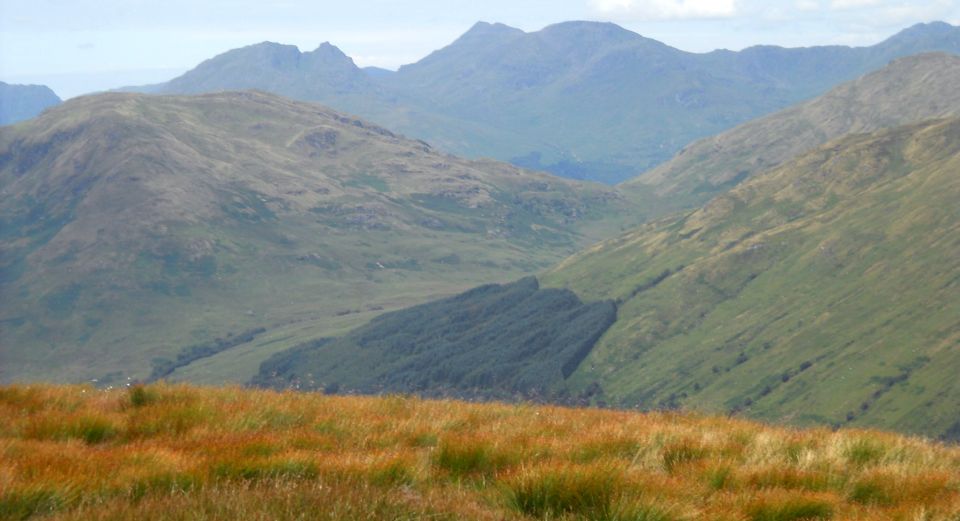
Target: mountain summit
x: 485, y: 31
x: 273, y: 67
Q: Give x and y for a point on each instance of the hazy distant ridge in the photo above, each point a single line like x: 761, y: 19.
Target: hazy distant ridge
x: 20, y: 102
x: 581, y: 99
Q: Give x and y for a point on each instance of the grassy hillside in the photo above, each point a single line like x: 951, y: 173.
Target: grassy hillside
x: 140, y: 227
x: 495, y: 341
x: 906, y: 91
x: 222, y: 454
x: 580, y: 99
x: 822, y: 291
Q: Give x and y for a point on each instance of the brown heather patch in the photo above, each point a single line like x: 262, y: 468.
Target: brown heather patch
x: 178, y: 452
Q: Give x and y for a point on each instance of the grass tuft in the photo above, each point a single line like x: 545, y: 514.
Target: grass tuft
x: 681, y: 452
x: 558, y: 490
x: 792, y: 508
x: 863, y: 452
x: 871, y: 492
x: 24, y: 504
x: 469, y: 457
x: 140, y: 396
x: 393, y: 472
x: 160, y: 484
x: 91, y: 429
x: 265, y: 470
x: 718, y: 478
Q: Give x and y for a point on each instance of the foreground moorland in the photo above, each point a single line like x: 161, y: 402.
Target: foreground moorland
x: 165, y: 452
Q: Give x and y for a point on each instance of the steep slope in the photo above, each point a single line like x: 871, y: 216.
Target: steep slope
x: 581, y: 99
x: 20, y: 102
x: 137, y: 226
x: 826, y: 290
x: 495, y: 341
x: 908, y: 90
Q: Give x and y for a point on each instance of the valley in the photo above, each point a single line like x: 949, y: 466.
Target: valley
x: 137, y: 226
x: 592, y: 260
x: 533, y: 274
x: 826, y: 271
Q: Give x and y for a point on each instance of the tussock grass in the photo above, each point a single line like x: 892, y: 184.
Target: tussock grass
x: 682, y: 452
x: 92, y: 429
x: 463, y: 456
x: 550, y: 491
x: 791, y: 508
x: 178, y: 452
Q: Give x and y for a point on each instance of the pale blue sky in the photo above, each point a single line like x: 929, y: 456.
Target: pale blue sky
x: 79, y: 46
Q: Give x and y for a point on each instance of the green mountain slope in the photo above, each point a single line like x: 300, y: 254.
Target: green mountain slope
x: 495, y: 341
x: 826, y: 290
x: 137, y: 227
x: 908, y: 90
x: 20, y: 102
x: 580, y: 99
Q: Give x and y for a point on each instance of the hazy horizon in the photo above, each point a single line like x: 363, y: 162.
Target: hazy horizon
x: 85, y: 46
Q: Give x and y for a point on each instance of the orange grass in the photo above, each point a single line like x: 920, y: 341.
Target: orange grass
x: 179, y: 452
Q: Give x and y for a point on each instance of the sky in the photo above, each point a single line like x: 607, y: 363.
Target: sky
x: 81, y: 46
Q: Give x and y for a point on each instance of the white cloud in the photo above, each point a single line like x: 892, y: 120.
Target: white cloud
x: 895, y: 13
x: 808, y: 5
x: 854, y: 4
x: 905, y: 14
x: 666, y: 9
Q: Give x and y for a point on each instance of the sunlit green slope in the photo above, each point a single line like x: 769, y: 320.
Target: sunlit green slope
x: 825, y: 290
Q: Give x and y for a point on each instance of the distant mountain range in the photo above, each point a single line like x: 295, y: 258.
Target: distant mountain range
x: 581, y: 99
x: 137, y: 228
x: 824, y: 288
x: 20, y: 102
